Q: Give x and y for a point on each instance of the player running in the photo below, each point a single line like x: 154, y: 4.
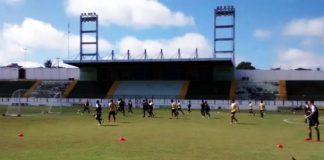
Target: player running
x: 262, y: 108
x: 189, y: 106
x: 313, y: 120
x: 233, y: 112
x: 179, y: 108
x: 121, y: 104
x: 202, y: 109
x: 307, y: 111
x: 251, y: 108
x: 145, y: 107
x: 150, y: 108
x: 174, y: 111
x: 98, y: 112
x: 86, y: 107
x: 112, y: 110
x: 207, y: 109
x: 130, y: 106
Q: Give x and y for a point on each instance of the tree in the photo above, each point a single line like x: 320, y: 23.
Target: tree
x: 48, y: 64
x: 245, y: 65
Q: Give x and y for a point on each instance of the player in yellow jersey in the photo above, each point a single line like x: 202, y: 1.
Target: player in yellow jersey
x: 262, y: 108
x: 233, y: 111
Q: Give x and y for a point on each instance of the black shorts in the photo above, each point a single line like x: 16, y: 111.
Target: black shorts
x: 112, y: 113
x: 233, y: 113
x: 98, y: 116
x: 313, y: 122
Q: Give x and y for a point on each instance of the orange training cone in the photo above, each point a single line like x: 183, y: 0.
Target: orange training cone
x: 20, y: 134
x: 122, y: 139
x: 279, y: 145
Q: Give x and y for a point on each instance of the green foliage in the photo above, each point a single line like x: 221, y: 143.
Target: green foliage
x: 48, y: 64
x: 71, y: 136
x: 245, y: 65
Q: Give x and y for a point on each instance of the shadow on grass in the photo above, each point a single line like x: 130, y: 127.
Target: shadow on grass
x: 110, y: 125
x: 124, y: 122
x: 244, y: 123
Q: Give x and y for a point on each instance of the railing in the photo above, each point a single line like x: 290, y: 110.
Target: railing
x: 272, y: 105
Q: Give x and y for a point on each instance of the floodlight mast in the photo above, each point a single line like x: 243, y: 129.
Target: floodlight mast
x: 222, y: 12
x: 88, y: 18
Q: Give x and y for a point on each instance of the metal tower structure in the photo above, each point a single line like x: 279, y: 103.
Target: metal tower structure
x: 88, y: 18
x: 223, y: 27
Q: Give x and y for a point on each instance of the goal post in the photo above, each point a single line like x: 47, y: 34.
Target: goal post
x: 34, y: 103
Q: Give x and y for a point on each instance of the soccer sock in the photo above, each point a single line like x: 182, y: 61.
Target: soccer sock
x: 310, y: 133
x: 318, y: 133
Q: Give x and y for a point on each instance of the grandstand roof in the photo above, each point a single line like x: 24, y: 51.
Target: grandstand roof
x: 79, y: 63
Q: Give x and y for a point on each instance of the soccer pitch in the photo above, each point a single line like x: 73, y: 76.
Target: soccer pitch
x: 71, y: 136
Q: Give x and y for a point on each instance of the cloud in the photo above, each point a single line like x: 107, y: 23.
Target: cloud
x: 130, y: 13
x: 187, y: 43
x: 262, y: 34
x: 296, y: 58
x: 40, y: 39
x: 305, y: 28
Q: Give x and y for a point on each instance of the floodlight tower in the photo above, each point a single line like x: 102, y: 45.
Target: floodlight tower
x: 88, y: 18
x: 221, y: 28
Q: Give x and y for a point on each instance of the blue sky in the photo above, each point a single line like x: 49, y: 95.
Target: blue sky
x: 278, y: 33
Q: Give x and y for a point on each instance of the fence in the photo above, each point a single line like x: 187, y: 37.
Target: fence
x: 272, y: 105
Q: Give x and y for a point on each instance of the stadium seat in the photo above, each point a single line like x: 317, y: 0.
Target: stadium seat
x: 257, y: 90
x: 8, y: 87
x: 303, y: 90
x: 90, y: 89
x: 149, y: 88
x: 209, y: 90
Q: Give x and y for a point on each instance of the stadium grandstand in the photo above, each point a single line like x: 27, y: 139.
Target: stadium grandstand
x: 214, y: 79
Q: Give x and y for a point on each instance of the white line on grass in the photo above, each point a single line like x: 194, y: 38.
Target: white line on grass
x: 293, y: 121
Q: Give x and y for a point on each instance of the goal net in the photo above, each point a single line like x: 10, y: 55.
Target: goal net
x: 25, y: 102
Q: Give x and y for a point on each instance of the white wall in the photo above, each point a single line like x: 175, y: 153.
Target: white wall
x: 9, y: 73
x: 52, y: 73
x: 275, y: 75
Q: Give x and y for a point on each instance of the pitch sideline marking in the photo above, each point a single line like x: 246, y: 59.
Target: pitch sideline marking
x: 290, y: 121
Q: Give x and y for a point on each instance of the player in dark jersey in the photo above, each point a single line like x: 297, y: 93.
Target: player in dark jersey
x: 145, y: 107
x: 307, y: 111
x: 207, y: 109
x: 150, y: 108
x: 189, y: 106
x: 313, y: 121
x: 130, y: 106
x: 86, y: 107
x: 98, y: 112
x: 121, y: 106
x: 202, y: 109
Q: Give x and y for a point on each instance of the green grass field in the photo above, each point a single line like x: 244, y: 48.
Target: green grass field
x: 71, y: 136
